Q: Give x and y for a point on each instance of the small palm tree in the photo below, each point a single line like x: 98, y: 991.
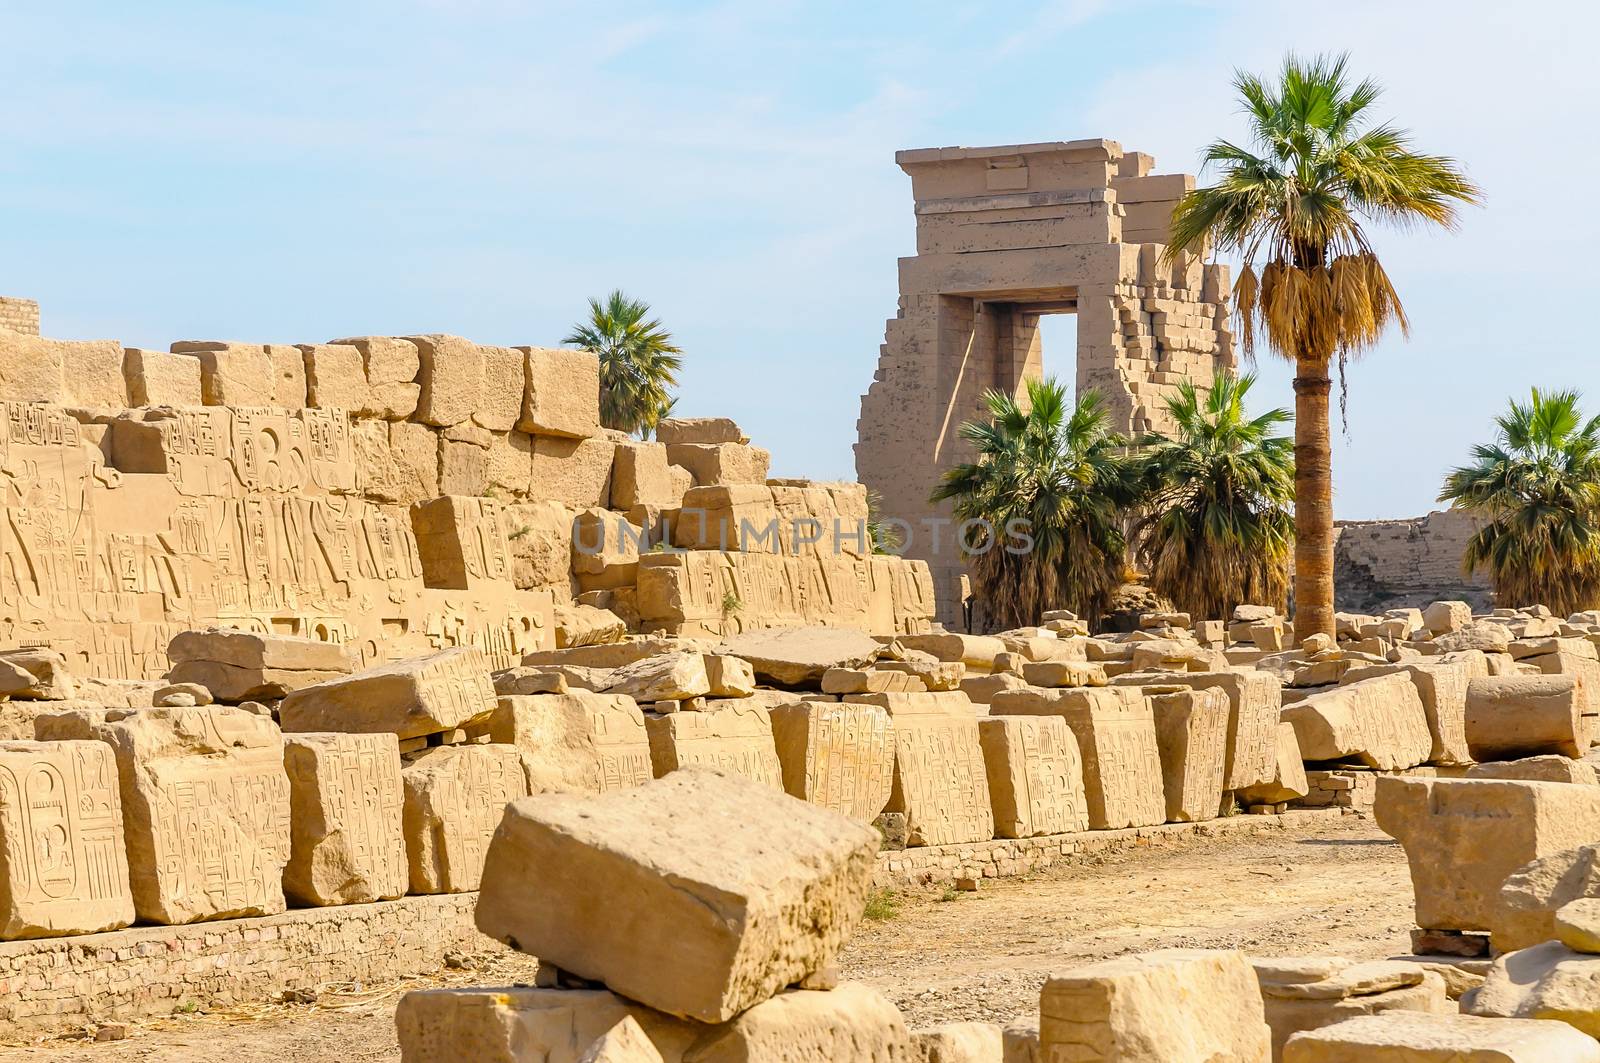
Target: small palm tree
x: 1217, y: 531
x: 639, y: 362
x: 1293, y: 208
x: 1042, y: 505
x: 1536, y: 490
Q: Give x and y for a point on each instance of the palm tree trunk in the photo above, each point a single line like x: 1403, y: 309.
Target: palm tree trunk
x: 1313, y: 501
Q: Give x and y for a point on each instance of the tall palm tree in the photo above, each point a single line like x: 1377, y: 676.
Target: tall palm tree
x: 1293, y: 209
x: 638, y: 362
x: 1537, y: 491
x: 1042, y: 504
x: 1217, y: 530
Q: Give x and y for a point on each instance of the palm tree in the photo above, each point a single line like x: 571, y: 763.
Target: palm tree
x: 1537, y: 491
x: 1042, y: 504
x: 1295, y: 207
x: 1217, y: 531
x: 638, y: 362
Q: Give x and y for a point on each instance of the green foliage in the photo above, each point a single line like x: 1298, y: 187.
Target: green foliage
x: 638, y: 362
x: 1536, y: 491
x: 519, y: 532
x: 882, y: 905
x: 884, y: 538
x: 1063, y: 476
x: 731, y: 604
x: 1217, y: 530
x: 950, y: 893
x: 1297, y: 199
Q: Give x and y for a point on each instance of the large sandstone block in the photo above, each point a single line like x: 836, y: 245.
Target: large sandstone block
x: 576, y: 472
x: 837, y: 755
x: 977, y: 652
x: 626, y: 1042
x: 454, y: 798
x: 1172, y: 1006
x: 959, y: 1042
x: 450, y: 372
x: 1463, y: 837
x: 717, y: 464
x: 1525, y: 908
x: 63, y: 867
x: 1441, y: 618
x: 336, y: 378
x: 1378, y: 722
x: 516, y: 1024
x: 421, y: 696
x: 639, y: 476
x: 157, y: 378
x: 941, y: 784
x: 700, y: 430
x: 578, y: 740
x: 699, y: 894
x: 1442, y: 685
x: 1549, y: 980
x: 1116, y: 732
x: 1035, y: 776
x: 345, y: 840
x: 205, y: 805
x: 231, y: 374
x: 391, y: 365
x: 675, y: 676
x: 1512, y: 716
x: 797, y: 656
x: 1410, y: 1037
x: 1254, y: 703
x: 240, y: 665
x: 563, y: 393
x: 1192, y: 738
x: 734, y: 736
x: 463, y: 542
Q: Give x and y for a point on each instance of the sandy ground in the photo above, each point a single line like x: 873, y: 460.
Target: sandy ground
x: 1335, y: 889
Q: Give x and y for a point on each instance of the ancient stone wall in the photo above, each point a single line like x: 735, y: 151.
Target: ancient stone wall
x: 393, y: 494
x: 1005, y: 235
x: 1387, y: 564
x: 19, y: 315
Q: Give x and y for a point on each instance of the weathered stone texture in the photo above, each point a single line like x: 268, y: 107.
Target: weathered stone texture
x: 454, y: 798
x: 346, y: 842
x: 940, y: 779
x: 1035, y: 775
x: 407, y: 698
x: 839, y: 756
x: 576, y: 740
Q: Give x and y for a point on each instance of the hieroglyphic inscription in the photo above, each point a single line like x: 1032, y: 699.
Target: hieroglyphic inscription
x: 730, y: 736
x: 576, y: 741
x: 940, y: 781
x: 1192, y: 736
x: 454, y: 798
x: 63, y: 869
x: 840, y: 756
x: 345, y: 801
x: 1035, y: 775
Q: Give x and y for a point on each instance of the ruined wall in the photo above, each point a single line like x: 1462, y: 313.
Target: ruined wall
x: 1004, y: 236
x: 396, y: 494
x: 1385, y: 564
x: 19, y: 315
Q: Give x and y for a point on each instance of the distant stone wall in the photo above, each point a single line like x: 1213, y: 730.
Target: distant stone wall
x: 1386, y: 564
x: 19, y: 315
x: 58, y: 984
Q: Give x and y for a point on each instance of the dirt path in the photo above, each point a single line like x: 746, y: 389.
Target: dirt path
x: 1340, y: 889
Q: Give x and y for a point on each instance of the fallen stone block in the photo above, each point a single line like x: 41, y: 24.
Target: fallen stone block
x: 1191, y: 737
x: 958, y: 1042
x: 1255, y: 700
x: 981, y: 689
x: 699, y: 430
x: 729, y: 677
x: 1442, y: 685
x: 1530, y: 896
x: 1514, y: 716
x: 941, y: 784
x: 839, y: 756
x: 1171, y: 1006
x: 576, y: 740
x: 412, y: 698
x: 1035, y: 776
x: 1409, y: 1037
x: 626, y: 1042
x: 35, y: 674
x: 1463, y: 837
x: 1378, y: 722
x: 798, y: 656
x: 977, y: 652
x: 63, y: 866
x: 250, y: 666
x: 674, y: 676
x: 346, y: 845
x: 1312, y: 992
x: 1064, y: 673
x: 699, y: 894
x: 1441, y: 618
x: 1547, y: 768
x: 454, y: 798
x: 205, y: 806
x: 733, y: 735
x: 1549, y: 980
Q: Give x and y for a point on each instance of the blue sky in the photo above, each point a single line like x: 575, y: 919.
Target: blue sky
x: 292, y: 172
